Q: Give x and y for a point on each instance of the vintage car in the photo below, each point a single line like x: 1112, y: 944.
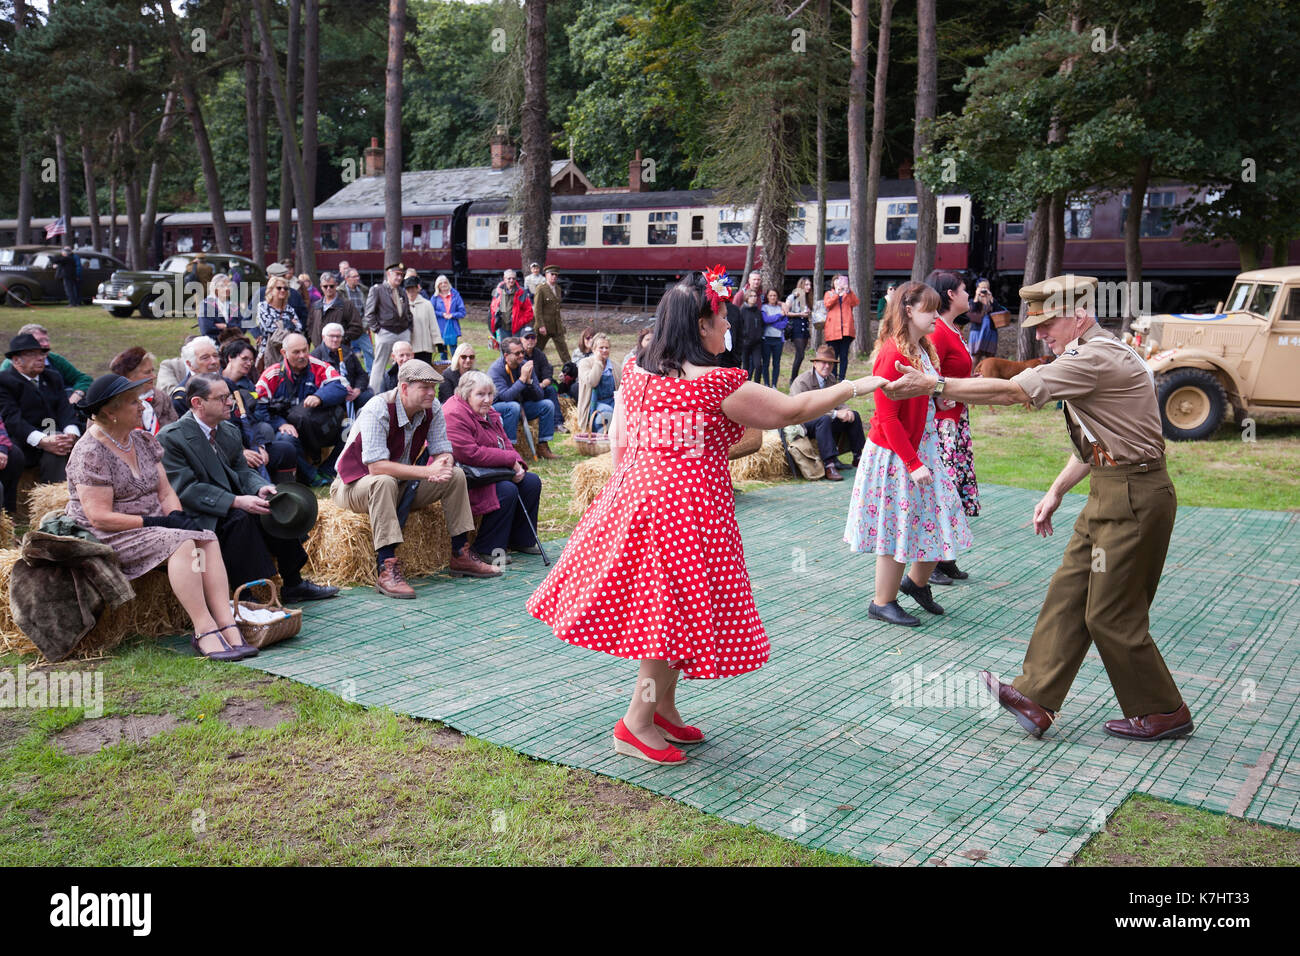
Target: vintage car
x: 27, y: 274
x: 1245, y: 355
x: 165, y: 292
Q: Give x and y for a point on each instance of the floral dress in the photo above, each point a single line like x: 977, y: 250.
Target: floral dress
x: 892, y: 514
x: 655, y: 569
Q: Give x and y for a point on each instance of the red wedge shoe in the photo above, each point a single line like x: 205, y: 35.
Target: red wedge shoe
x: 625, y: 742
x: 679, y: 735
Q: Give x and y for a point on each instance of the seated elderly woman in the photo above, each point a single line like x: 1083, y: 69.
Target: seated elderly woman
x: 462, y: 360
x: 346, y: 363
x: 135, y: 363
x: 478, y: 438
x: 119, y: 491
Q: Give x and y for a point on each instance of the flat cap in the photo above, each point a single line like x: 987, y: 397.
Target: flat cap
x: 1057, y: 296
x: 414, y: 370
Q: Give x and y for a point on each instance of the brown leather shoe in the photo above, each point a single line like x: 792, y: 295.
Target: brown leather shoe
x: 1029, y: 715
x: 467, y: 565
x: 544, y: 450
x: 1153, y: 726
x: 392, y: 582
x: 833, y: 473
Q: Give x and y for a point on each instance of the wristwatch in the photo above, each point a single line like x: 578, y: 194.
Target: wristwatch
x: 938, y: 386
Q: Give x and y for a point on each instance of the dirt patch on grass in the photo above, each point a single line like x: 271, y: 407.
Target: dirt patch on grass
x: 241, y: 714
x: 91, y: 736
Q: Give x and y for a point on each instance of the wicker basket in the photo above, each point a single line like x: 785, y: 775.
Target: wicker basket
x: 1001, y: 320
x: 591, y: 444
x: 272, y: 632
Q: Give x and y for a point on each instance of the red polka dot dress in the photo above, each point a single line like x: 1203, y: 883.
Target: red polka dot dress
x: 655, y: 569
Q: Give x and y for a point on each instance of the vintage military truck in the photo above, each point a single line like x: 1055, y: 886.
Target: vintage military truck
x: 1245, y: 356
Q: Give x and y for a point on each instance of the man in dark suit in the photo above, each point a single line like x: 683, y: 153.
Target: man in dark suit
x: 35, y: 409
x: 842, y: 422
x: 203, y: 455
x: 388, y: 316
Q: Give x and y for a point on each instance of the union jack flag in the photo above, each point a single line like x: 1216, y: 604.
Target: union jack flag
x: 57, y: 228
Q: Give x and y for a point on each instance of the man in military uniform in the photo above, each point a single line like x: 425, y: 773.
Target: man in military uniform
x: 1102, y: 592
x: 547, y: 300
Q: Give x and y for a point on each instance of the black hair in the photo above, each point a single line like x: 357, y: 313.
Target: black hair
x: 233, y: 349
x: 200, y: 386
x: 677, y: 329
x: 511, y: 342
x: 944, y: 283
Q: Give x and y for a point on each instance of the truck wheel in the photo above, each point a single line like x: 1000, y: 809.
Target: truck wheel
x: 1192, y: 404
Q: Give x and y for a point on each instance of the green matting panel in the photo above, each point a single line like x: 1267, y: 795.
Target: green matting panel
x: 836, y: 743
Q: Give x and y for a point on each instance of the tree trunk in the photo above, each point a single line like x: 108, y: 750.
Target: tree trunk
x: 22, y: 235
x: 310, y: 76
x: 1056, y: 235
x: 819, y: 257
x: 776, y: 205
x: 873, y: 167
x: 92, y: 201
x: 288, y: 135
x: 65, y: 184
x: 135, y: 257
x: 1035, y: 266
x: 535, y: 140
x: 927, y: 99
x: 255, y: 119
x: 393, y: 132
x: 1248, y: 250
x: 155, y: 170
x: 859, y: 241
x: 1133, y: 236
x: 112, y: 214
x: 751, y: 247
x: 1281, y: 252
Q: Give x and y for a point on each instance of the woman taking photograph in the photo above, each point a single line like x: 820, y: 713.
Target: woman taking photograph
x: 118, y: 490
x: 478, y: 438
x: 904, y: 507
x: 798, y: 309
x: 952, y: 420
x: 983, y: 330
x: 655, y: 571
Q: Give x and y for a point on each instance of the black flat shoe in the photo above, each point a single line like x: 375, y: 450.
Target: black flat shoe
x: 306, y: 590
x: 937, y: 577
x: 950, y: 569
x: 891, y: 613
x: 921, y: 595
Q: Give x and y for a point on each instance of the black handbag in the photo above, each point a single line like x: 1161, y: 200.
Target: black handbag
x: 476, y: 475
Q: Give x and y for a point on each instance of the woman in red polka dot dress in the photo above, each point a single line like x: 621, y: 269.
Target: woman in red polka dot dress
x: 655, y: 570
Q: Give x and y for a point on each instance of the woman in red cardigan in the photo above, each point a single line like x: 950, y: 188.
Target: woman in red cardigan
x: 905, y: 508
x: 478, y: 438
x: 952, y: 421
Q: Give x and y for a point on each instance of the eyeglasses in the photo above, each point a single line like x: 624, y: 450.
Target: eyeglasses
x: 226, y: 399
x: 329, y: 286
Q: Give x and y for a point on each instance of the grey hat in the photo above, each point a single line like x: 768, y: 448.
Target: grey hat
x: 277, y: 269
x: 414, y: 370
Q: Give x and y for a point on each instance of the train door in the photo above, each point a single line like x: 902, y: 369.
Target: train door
x: 460, y: 243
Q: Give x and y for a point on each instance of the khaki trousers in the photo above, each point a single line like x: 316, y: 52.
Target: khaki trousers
x: 378, y: 495
x: 554, y: 332
x: 1102, y: 595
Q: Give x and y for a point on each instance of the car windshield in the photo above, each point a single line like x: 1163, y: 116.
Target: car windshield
x: 174, y: 264
x: 1240, y: 295
x: 1262, y: 303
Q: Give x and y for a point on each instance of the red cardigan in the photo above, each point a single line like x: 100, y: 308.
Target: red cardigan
x: 954, y: 362
x: 480, y: 443
x: 897, y: 425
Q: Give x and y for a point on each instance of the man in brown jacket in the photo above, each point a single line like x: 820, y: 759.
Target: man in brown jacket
x: 546, y: 313
x: 333, y: 306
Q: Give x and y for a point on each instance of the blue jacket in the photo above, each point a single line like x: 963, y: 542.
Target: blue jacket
x: 449, y: 325
x: 511, y: 389
x: 774, y: 319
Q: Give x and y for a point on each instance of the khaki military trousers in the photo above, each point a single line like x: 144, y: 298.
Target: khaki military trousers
x: 1102, y: 595
x: 554, y: 331
x: 378, y: 496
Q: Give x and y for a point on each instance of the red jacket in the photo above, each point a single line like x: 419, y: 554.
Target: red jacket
x: 954, y: 362
x: 521, y: 309
x: 897, y: 425
x: 839, y: 315
x: 480, y: 443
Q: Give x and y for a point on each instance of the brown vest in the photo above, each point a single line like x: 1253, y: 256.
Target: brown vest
x: 351, y: 468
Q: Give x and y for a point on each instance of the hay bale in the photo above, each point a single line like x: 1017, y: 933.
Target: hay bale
x: 766, y: 464
x: 570, y: 410
x: 6, y: 529
x: 587, y: 480
x: 45, y: 498
x: 521, y: 446
x: 25, y: 484
x: 341, y: 551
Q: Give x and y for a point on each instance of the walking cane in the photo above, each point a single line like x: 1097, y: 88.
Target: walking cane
x: 533, y: 528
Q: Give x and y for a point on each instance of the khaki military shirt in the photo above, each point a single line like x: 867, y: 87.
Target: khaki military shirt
x: 1105, y: 384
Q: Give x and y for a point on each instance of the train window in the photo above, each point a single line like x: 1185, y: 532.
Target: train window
x: 733, y: 225
x: 329, y: 236
x: 482, y: 225
x: 697, y: 228
x: 900, y: 222
x: 837, y: 222
x: 437, y: 233
x: 359, y: 236
x: 616, y: 229
x: 237, y: 240
x: 573, y: 229
x: 1157, y: 219
x: 413, y: 238
x: 798, y: 225
x: 209, y: 239
x: 951, y: 220
x: 503, y: 230
x: 1078, y: 220
x: 662, y: 230
x: 185, y: 241
x: 1014, y: 230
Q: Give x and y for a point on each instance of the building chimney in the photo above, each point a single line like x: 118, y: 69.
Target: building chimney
x: 905, y: 169
x: 634, y: 174
x: 503, y: 152
x: 374, y: 158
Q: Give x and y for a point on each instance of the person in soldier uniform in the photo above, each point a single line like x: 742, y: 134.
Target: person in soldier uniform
x: 546, y: 308
x: 1102, y: 592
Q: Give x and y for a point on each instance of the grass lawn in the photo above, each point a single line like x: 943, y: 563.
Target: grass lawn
x: 222, y: 765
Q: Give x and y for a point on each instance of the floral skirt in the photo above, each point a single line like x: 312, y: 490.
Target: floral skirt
x: 958, y: 455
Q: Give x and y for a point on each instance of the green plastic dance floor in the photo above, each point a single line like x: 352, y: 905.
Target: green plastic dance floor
x: 861, y: 737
